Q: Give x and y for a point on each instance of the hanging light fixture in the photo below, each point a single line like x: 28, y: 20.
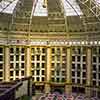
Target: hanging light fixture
x: 44, y: 3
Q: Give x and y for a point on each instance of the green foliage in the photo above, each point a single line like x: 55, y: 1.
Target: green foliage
x: 25, y: 98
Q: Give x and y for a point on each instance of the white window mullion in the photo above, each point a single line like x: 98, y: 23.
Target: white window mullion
x: 20, y: 63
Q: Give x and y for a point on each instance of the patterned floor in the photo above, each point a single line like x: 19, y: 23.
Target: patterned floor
x: 57, y: 96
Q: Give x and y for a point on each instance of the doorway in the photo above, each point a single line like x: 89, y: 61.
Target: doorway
x: 78, y: 90
x: 57, y: 89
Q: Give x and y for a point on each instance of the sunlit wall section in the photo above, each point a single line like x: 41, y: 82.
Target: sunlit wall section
x: 96, y: 69
x: 79, y: 65
x: 38, y: 63
x: 96, y: 66
x: 58, y: 64
x: 17, y: 62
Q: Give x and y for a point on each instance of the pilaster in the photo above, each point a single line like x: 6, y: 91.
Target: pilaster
x: 47, y: 85
x: 68, y: 88
x: 28, y: 61
x: 89, y: 70
x: 6, y: 64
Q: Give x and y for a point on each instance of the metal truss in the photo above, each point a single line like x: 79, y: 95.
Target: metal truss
x: 92, y: 6
x: 5, y: 3
x: 91, y: 13
x: 72, y: 7
x: 90, y: 9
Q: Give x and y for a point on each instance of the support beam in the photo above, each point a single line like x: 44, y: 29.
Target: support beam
x: 28, y: 61
x: 6, y: 64
x: 47, y: 86
x: 90, y: 8
x: 68, y: 71
x: 89, y: 70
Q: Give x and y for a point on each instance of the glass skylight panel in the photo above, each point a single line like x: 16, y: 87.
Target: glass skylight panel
x: 39, y: 10
x: 8, y: 7
x: 98, y: 1
x: 71, y: 8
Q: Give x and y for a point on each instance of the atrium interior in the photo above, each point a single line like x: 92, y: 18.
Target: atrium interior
x: 56, y: 42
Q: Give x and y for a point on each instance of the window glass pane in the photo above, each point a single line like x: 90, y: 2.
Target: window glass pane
x: 43, y: 50
x: 11, y: 73
x: 17, y: 65
x: 94, y: 82
x: 17, y: 50
x: 11, y: 58
x: 22, y: 58
x: 78, y: 81
x: 22, y: 73
x: 73, y: 73
x: 73, y: 58
x: 33, y: 50
x: 64, y: 50
x: 84, y: 74
x: 52, y: 73
x: 42, y: 78
x: 11, y: 65
x: 22, y: 65
x: 32, y: 57
x: 38, y: 79
x: 78, y: 50
x: 43, y: 65
x: 84, y: 81
x: 63, y: 58
x: 23, y: 50
x: 78, y: 74
x: 1, y: 66
x: 38, y: 57
x: 84, y: 58
x: 38, y: 65
x: 1, y: 50
x: 53, y: 50
x: 78, y: 58
x: 1, y: 58
x: 42, y: 72
x: 11, y: 50
x: 1, y: 74
x: 43, y: 58
x: 94, y: 50
x: 94, y: 67
x: 94, y: 59
x: 73, y: 66
x: 94, y: 75
x: 38, y: 72
x: 58, y: 79
x: 17, y: 57
x: 17, y: 73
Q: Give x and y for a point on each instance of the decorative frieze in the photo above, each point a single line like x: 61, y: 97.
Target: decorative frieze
x: 49, y: 42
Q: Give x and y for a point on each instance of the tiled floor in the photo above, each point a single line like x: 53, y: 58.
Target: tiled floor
x: 57, y: 96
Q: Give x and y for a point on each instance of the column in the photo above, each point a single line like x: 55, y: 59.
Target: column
x: 6, y: 63
x: 68, y: 72
x: 28, y: 61
x: 89, y: 70
x: 47, y: 85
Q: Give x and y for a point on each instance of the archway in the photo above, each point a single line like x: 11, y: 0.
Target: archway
x: 57, y: 89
